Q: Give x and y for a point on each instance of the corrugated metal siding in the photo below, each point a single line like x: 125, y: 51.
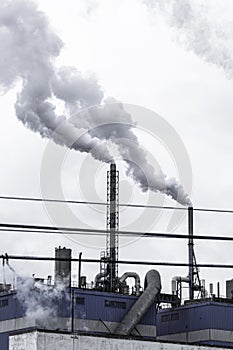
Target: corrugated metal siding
x: 196, y: 317
x: 94, y: 307
x: 222, y: 317
x: 11, y: 309
x: 4, y: 341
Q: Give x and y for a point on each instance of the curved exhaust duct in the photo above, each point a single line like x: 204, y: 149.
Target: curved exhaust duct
x: 99, y: 276
x: 178, y: 279
x: 138, y: 310
x: 126, y: 275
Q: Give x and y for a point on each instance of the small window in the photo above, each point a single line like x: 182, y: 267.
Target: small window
x: 115, y: 304
x: 3, y: 302
x: 80, y: 301
x: 165, y: 318
x: 175, y: 317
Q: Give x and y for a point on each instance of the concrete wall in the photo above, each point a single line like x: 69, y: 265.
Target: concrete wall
x: 38, y: 340
x: 24, y: 341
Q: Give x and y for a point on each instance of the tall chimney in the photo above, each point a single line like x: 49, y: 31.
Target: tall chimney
x: 190, y: 251
x: 112, y: 226
x: 63, y: 267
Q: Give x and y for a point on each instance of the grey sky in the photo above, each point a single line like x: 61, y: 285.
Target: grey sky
x: 139, y: 56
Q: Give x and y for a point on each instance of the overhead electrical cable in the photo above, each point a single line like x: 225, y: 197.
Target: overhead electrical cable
x: 123, y: 262
x: 147, y: 206
x: 103, y: 232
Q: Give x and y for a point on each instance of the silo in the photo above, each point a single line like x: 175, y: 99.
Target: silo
x: 63, y: 266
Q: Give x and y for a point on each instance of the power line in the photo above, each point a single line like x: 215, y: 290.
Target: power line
x: 147, y: 206
x: 40, y: 232
x: 71, y: 230
x: 123, y: 262
x: 34, y: 199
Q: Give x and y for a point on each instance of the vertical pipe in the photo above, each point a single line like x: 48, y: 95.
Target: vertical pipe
x: 218, y: 290
x: 79, y: 269
x: 211, y: 287
x: 72, y: 310
x: 190, y: 251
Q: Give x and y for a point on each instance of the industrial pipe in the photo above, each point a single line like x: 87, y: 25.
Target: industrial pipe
x: 126, y: 275
x: 138, y: 310
x: 177, y: 279
x: 191, y: 253
x: 99, y: 276
x: 79, y: 269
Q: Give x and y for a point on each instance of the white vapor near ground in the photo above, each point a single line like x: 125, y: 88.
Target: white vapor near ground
x: 40, y: 301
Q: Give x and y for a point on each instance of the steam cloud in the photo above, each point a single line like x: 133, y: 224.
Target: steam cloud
x: 40, y: 301
x: 28, y: 53
x: 202, y: 27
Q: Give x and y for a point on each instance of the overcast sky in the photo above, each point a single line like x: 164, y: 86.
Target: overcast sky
x: 176, y: 64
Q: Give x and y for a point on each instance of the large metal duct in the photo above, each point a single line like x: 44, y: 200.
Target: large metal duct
x: 138, y: 310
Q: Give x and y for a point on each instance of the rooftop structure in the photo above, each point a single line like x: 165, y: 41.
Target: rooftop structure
x: 57, y: 310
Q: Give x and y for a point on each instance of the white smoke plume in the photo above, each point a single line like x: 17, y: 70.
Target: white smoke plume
x: 40, y: 301
x: 202, y: 26
x: 28, y: 53
x: 112, y: 122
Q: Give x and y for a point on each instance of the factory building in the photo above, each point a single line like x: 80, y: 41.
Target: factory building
x: 88, y: 309
x: 73, y: 310
x: 205, y: 322
x: 54, y: 314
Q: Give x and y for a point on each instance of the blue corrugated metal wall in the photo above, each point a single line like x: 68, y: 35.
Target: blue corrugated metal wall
x: 197, y: 317
x: 186, y: 318
x: 10, y: 307
x: 94, y: 307
x: 4, y: 341
x: 87, y: 304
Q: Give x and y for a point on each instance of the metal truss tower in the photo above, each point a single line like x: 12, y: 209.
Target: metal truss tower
x: 112, y: 225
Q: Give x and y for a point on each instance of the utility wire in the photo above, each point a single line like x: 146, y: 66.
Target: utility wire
x: 70, y: 230
x: 123, y: 262
x: 46, y: 232
x: 34, y: 199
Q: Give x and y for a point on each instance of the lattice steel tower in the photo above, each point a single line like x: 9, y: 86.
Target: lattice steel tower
x: 112, y: 226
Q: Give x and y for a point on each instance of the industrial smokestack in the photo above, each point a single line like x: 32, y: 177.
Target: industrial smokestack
x: 190, y: 251
x: 112, y: 225
x: 63, y: 267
